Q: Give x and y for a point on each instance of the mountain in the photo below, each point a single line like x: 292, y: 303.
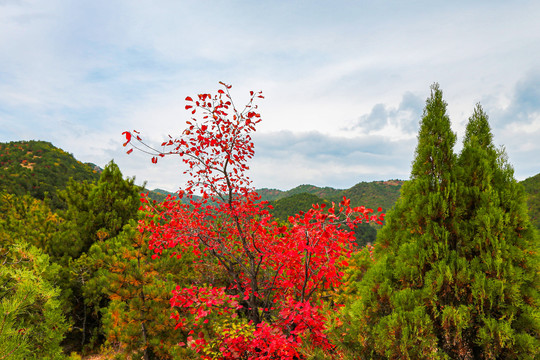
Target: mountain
x: 374, y: 194
x: 532, y: 188
x: 370, y: 194
x: 274, y: 194
x: 159, y: 194
x: 294, y: 204
x: 38, y: 168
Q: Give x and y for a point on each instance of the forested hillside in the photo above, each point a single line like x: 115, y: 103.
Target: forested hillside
x: 275, y: 194
x: 370, y: 194
x: 40, y: 169
x: 374, y: 194
x: 532, y: 188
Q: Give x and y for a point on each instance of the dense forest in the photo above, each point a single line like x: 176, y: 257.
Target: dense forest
x: 88, y: 265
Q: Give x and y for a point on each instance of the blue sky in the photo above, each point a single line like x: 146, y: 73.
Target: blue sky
x: 345, y: 81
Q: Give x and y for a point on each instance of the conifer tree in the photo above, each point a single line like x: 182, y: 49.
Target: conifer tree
x: 451, y: 247
x: 390, y: 320
x: 26, y: 219
x: 32, y: 325
x: 498, y: 243
x: 96, y: 212
x: 138, y: 317
x: 101, y: 210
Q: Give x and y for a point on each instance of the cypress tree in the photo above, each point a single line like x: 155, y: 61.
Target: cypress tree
x: 452, y: 244
x: 497, y: 241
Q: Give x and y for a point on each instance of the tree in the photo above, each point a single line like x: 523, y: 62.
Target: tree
x: 417, y: 236
x: 532, y: 188
x: 26, y: 219
x: 95, y: 212
x: 100, y: 210
x: 32, y: 324
x: 139, y: 290
x: 498, y: 244
x: 276, y: 275
x: 457, y: 263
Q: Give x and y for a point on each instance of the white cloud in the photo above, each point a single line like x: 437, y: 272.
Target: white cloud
x: 79, y: 73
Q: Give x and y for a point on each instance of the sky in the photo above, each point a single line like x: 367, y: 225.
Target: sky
x: 345, y: 82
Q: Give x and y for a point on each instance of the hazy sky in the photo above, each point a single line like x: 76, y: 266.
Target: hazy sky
x: 345, y: 81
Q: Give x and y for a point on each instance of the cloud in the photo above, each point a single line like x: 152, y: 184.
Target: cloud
x: 516, y: 126
x: 392, y: 122
x: 285, y: 159
x: 341, y: 80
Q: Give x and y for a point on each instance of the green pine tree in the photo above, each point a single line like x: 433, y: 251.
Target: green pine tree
x: 96, y: 212
x: 100, y: 210
x: 32, y: 324
x: 139, y: 288
x: 457, y: 266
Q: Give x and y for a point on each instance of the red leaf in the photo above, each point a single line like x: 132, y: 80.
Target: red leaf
x: 129, y: 151
x: 154, y: 160
x: 189, y: 98
x: 128, y: 137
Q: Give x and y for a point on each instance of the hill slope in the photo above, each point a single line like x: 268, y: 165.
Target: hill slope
x: 532, y: 188
x: 371, y: 194
x: 275, y: 194
x: 38, y: 168
x: 294, y: 204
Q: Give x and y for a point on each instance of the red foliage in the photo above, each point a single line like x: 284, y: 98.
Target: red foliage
x: 276, y: 273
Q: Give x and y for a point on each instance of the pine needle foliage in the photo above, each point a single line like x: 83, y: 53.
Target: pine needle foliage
x: 32, y: 325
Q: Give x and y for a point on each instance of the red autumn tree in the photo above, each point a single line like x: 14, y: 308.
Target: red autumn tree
x: 270, y: 306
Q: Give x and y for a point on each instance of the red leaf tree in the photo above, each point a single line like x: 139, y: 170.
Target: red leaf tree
x: 276, y: 275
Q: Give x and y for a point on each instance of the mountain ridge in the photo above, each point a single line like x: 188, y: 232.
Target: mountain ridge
x: 40, y: 169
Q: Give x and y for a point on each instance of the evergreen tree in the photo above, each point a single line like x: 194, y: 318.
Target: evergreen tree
x: 101, y: 210
x: 29, y: 220
x: 96, y: 212
x: 497, y: 242
x: 138, y: 317
x: 390, y: 319
x: 532, y: 189
x: 456, y: 271
x: 32, y: 325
